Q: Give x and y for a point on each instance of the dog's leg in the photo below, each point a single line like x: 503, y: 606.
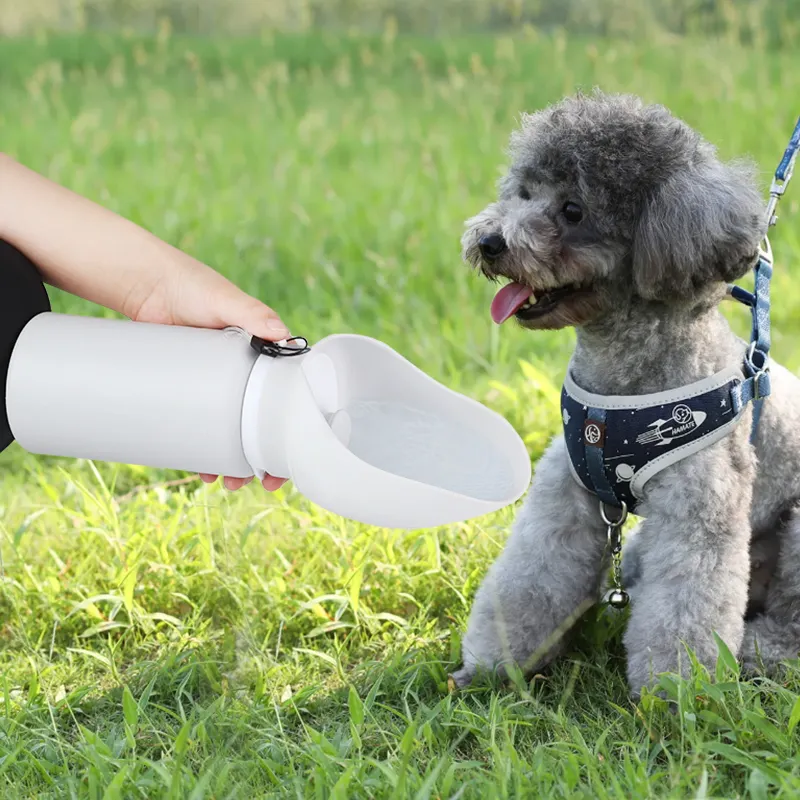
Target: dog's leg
x: 549, y: 574
x: 693, y: 564
x: 764, y: 552
x: 774, y: 635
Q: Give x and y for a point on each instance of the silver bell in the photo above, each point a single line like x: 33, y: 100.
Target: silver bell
x: 618, y: 598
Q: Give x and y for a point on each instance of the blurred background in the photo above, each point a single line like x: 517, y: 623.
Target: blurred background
x: 745, y: 21
x: 165, y: 638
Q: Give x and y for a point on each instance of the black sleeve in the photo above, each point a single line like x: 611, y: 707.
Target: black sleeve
x: 22, y: 297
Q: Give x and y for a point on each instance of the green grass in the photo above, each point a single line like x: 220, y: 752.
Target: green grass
x: 172, y: 640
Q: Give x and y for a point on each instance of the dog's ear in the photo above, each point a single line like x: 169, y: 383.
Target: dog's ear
x: 703, y: 224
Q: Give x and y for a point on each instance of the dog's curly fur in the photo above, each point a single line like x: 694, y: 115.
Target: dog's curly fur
x: 665, y: 224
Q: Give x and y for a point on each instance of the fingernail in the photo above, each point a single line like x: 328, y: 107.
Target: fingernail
x: 277, y: 326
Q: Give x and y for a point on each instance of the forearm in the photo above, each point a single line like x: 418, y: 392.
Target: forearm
x: 78, y: 245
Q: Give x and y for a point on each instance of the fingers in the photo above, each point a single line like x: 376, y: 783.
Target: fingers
x: 255, y: 317
x: 269, y: 482
x: 232, y: 484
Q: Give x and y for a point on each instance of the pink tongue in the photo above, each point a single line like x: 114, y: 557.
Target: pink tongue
x: 508, y: 300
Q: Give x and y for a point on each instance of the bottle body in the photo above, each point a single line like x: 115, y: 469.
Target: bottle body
x: 135, y: 393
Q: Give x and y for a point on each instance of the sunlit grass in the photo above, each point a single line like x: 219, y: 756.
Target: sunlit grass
x: 165, y: 638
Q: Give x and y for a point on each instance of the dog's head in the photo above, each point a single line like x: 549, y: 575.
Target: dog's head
x: 609, y: 200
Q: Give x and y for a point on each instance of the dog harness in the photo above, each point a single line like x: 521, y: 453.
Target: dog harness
x: 616, y: 443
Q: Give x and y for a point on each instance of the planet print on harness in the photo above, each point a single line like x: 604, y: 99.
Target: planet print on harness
x: 624, y: 473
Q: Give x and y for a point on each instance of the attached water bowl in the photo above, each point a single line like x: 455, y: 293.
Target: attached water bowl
x: 365, y: 434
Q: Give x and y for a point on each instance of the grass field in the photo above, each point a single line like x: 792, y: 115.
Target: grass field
x: 173, y: 640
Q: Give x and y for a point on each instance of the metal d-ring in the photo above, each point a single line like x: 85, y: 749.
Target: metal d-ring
x: 610, y: 522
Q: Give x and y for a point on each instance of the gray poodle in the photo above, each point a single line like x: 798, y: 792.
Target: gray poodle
x: 618, y: 219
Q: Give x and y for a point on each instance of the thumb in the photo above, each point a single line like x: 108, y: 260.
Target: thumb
x: 255, y: 317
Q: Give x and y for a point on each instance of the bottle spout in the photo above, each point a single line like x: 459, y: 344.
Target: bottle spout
x: 368, y: 436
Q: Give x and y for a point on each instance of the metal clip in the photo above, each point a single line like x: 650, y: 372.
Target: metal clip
x: 757, y: 395
x: 760, y: 369
x: 617, y: 598
x: 783, y: 174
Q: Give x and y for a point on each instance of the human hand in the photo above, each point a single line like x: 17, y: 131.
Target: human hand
x: 191, y: 293
x: 91, y: 252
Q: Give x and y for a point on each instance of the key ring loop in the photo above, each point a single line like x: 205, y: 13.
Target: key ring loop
x: 280, y: 349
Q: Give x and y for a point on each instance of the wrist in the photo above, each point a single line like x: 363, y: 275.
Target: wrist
x: 148, y: 283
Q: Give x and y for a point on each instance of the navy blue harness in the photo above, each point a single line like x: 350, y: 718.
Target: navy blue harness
x: 617, y: 443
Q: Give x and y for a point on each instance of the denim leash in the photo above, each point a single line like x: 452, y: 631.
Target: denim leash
x: 756, y: 385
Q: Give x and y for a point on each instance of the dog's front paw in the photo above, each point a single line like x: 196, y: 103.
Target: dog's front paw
x: 461, y: 678
x: 505, y: 633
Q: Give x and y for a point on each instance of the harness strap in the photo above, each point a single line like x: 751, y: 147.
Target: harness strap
x: 594, y: 455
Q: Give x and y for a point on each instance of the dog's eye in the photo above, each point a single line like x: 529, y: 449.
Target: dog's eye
x: 572, y: 212
x: 524, y: 194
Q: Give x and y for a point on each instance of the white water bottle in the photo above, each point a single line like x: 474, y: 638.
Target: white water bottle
x: 129, y: 392
x: 356, y: 427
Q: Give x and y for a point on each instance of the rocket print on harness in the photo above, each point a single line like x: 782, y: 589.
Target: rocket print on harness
x: 682, y: 422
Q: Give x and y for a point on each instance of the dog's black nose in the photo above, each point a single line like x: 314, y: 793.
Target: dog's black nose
x: 491, y: 246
